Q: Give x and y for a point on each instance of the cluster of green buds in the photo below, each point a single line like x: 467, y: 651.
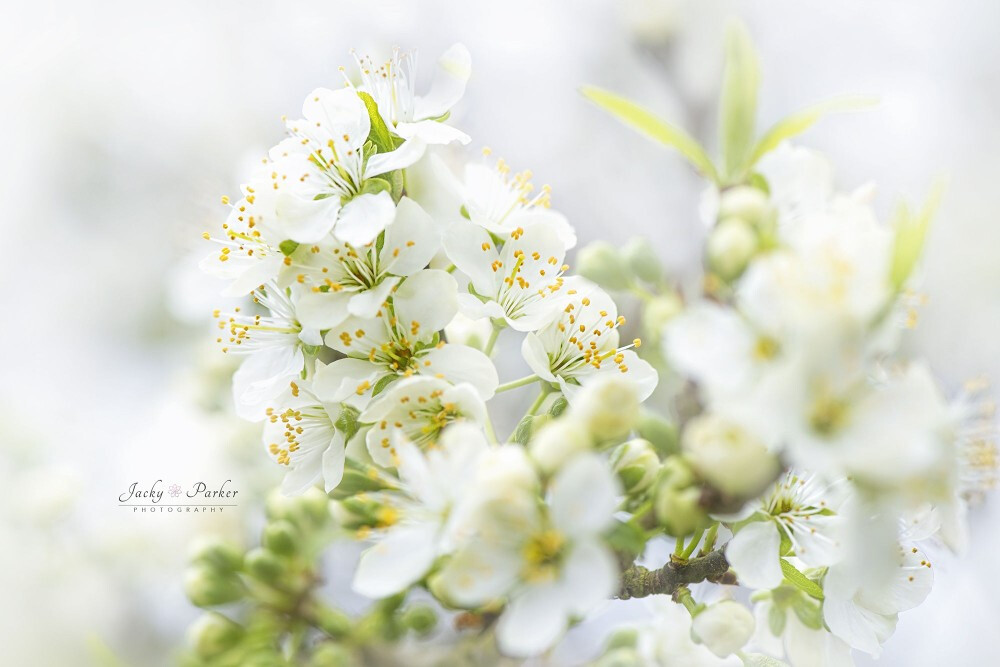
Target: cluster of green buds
x: 746, y: 226
x: 634, y: 268
x: 280, y: 618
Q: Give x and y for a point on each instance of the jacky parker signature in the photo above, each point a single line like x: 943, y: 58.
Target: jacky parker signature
x: 196, y: 498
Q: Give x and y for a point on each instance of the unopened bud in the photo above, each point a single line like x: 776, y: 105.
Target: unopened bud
x: 329, y: 654
x: 745, y: 202
x: 728, y: 457
x: 264, y: 565
x: 607, y: 408
x: 467, y: 331
x: 731, y: 246
x: 216, y: 554
x: 314, y: 505
x: 678, y: 499
x: 602, y: 263
x: 636, y: 464
x: 207, y: 588
x: 642, y: 260
x: 724, y: 628
x: 280, y: 537
x: 557, y: 442
x: 658, y: 311
x: 420, y: 618
x: 213, y: 634
x: 660, y: 432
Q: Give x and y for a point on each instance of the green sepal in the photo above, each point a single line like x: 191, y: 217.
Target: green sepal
x: 347, y: 421
x: 288, y: 246
x: 776, y: 620
x: 626, y: 537
x: 382, y: 383
x: 800, y: 581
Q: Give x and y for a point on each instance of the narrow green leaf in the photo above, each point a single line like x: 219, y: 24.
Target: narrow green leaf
x: 643, y: 120
x: 911, y: 233
x: 801, y: 581
x: 382, y: 383
x: 800, y: 121
x: 738, y: 114
x: 379, y: 133
x: 776, y: 620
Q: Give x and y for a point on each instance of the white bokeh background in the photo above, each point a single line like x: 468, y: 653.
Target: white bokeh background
x: 123, y: 123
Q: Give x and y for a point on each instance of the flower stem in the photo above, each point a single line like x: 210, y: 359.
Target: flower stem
x: 514, y: 384
x: 710, y: 539
x: 692, y: 545
x: 491, y: 433
x: 488, y: 350
x: 546, y: 390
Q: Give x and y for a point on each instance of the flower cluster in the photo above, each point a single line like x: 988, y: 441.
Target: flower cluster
x: 795, y: 451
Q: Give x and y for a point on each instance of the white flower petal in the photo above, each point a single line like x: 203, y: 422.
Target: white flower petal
x: 589, y: 577
x: 411, y: 240
x: 381, y: 163
x: 532, y: 622
x: 363, y: 218
x: 472, y: 251
x: 400, y: 559
x: 459, y: 363
x: 333, y: 462
x: 431, y: 132
x: 340, y: 379
x: 450, y: 76
x: 477, y: 574
x: 753, y: 554
x: 584, y: 496
x: 846, y: 620
x: 322, y: 310
x: 366, y: 304
x: 307, y: 220
x: 534, y: 354
x: 426, y: 302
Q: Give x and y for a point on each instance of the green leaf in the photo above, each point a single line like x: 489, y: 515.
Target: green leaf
x: 738, y: 114
x: 373, y: 186
x: 382, y: 383
x: 800, y: 121
x: 559, y: 406
x: 810, y: 613
x: 776, y: 620
x: 522, y: 434
x: 911, y: 233
x: 379, y: 133
x: 287, y: 247
x: 627, y: 537
x: 643, y: 120
x: 359, y: 478
x: 347, y: 422
x: 801, y: 581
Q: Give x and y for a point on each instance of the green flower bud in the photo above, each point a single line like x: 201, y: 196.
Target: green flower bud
x: 279, y: 506
x: 329, y: 654
x: 420, y: 618
x: 619, y: 657
x: 731, y: 245
x: 641, y: 258
x: 745, y: 202
x: 264, y: 565
x: 636, y: 464
x: 727, y: 457
x: 333, y: 622
x: 658, y: 311
x: 213, y: 634
x: 206, y: 587
x: 280, y: 537
x: 608, y: 408
x: 602, y: 263
x: 677, y: 501
x: 558, y: 442
x: 623, y: 638
x: 314, y: 505
x: 217, y: 554
x: 660, y: 432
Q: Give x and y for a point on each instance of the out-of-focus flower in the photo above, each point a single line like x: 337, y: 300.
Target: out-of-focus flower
x: 724, y: 627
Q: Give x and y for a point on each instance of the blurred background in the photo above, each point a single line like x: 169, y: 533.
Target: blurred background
x: 124, y: 122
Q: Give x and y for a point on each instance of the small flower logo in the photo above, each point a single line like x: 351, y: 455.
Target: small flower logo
x: 174, y: 490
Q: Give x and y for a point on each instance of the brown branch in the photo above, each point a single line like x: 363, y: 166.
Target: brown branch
x: 640, y: 582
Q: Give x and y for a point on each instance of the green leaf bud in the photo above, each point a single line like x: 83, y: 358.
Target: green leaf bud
x: 213, y: 634
x: 602, y: 263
